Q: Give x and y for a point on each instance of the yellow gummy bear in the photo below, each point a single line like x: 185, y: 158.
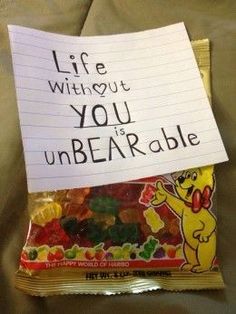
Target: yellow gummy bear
x: 45, y: 213
x: 153, y: 219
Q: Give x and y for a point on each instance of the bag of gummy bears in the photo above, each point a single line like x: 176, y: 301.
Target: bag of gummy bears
x: 153, y: 233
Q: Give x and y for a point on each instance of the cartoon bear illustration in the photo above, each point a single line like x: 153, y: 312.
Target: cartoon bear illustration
x: 191, y: 203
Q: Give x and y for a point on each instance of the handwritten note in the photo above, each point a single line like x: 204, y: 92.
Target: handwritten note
x: 107, y: 109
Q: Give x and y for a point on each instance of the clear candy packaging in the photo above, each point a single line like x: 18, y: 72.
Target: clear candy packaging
x: 153, y: 233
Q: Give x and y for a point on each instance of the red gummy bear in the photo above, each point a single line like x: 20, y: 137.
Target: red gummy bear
x: 147, y: 194
x: 51, y: 234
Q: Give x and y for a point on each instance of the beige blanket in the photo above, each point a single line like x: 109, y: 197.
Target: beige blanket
x: 215, y: 20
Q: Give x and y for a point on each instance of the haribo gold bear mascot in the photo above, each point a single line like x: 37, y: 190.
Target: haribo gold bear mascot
x: 191, y: 202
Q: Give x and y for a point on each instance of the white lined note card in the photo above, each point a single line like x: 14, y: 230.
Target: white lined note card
x: 106, y: 109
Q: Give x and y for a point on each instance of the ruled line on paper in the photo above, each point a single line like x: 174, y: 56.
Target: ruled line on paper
x: 142, y: 131
x: 124, y: 70
x: 149, y: 119
x: 125, y: 146
x: 107, y: 94
x: 71, y: 164
x: 130, y: 79
x: 66, y: 138
x: 118, y: 170
x: 72, y: 43
x: 103, y: 52
x: 138, y: 132
x: 135, y: 99
x: 113, y: 61
x: 131, y: 99
x: 136, y: 110
x: 156, y: 117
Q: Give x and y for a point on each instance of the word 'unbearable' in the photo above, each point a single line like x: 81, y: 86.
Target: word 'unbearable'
x: 87, y: 150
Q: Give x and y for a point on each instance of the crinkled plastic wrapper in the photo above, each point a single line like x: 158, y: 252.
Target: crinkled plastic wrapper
x: 154, y: 233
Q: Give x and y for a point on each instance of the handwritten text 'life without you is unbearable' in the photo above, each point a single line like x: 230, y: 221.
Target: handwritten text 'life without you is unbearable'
x: 118, y: 116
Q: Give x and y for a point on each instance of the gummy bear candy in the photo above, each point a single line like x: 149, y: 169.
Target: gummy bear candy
x: 147, y: 194
x: 153, y: 219
x: 148, y: 248
x: 105, y: 219
x: 104, y: 204
x: 45, y: 213
x: 122, y: 233
x: 75, y: 203
x: 78, y: 195
x: 130, y: 215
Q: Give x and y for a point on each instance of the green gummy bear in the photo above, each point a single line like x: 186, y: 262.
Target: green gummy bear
x: 105, y: 205
x: 95, y: 233
x: 153, y: 242
x: 122, y: 233
x: 145, y: 255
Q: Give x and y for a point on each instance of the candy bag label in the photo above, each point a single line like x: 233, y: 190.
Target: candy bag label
x: 127, y: 225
